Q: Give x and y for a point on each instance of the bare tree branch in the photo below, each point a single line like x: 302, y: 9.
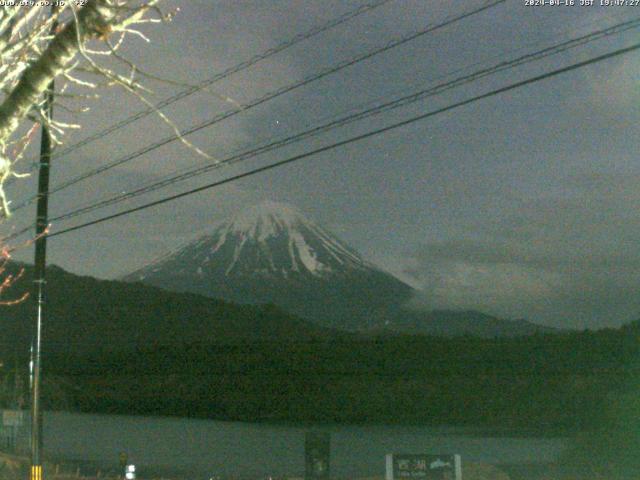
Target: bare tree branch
x: 99, y: 18
x: 32, y: 56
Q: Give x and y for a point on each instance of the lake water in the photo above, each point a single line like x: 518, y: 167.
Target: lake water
x: 206, y: 447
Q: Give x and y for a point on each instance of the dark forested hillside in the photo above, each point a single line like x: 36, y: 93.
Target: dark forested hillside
x: 182, y: 354
x: 546, y: 383
x: 85, y: 315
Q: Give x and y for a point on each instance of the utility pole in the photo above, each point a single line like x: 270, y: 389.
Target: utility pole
x: 40, y: 283
x: 40, y: 262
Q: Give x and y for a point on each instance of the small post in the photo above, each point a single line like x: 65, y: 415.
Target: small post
x: 317, y: 448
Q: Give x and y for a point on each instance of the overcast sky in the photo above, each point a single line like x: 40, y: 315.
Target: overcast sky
x: 524, y: 205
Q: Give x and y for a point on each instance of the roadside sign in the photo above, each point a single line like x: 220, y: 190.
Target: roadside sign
x: 317, y: 447
x: 423, y: 467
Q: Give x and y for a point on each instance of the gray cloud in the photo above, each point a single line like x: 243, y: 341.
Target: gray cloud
x: 525, y: 205
x: 566, y: 260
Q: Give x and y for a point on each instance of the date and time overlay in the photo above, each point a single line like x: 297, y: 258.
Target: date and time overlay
x: 581, y: 3
x: 43, y: 3
x: 527, y: 3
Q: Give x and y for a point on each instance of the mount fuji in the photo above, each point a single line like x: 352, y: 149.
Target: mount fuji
x: 271, y: 253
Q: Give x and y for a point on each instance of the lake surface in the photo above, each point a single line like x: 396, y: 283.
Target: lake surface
x: 206, y: 447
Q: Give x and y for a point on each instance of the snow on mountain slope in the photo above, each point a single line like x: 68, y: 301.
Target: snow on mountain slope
x: 272, y: 253
x: 267, y: 239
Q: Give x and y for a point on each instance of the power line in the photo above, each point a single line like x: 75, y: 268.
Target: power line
x: 403, y: 101
x: 224, y: 74
x: 269, y: 96
x: 607, y: 31
x: 358, y: 138
x: 400, y: 102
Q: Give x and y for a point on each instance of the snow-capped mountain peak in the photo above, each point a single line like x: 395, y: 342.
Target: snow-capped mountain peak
x: 272, y: 253
x: 266, y: 219
x: 280, y: 239
x: 270, y: 238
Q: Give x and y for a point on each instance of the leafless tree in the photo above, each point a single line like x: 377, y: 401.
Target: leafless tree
x: 75, y: 42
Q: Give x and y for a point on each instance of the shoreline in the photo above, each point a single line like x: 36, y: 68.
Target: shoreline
x: 467, y: 430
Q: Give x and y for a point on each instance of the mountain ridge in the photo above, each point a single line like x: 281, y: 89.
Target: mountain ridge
x: 272, y: 253
x: 251, y: 244
x: 85, y: 313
